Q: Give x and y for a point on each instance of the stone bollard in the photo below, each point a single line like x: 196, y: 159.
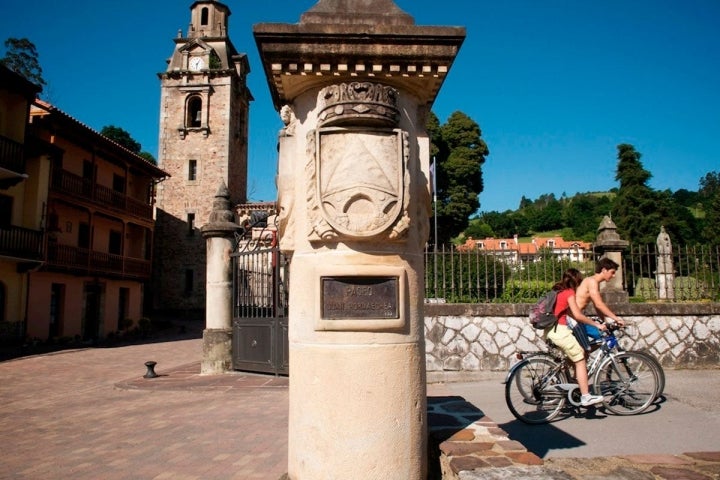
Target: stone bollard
x: 150, y: 373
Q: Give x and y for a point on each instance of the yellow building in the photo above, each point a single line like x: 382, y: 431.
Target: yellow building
x: 20, y: 235
x: 89, y: 201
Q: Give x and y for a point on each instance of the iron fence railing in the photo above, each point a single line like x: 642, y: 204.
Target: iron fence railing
x: 478, y: 276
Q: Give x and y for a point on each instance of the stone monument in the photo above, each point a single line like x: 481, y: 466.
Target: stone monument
x: 665, y: 273
x: 354, y: 81
x: 219, y: 234
x: 609, y: 244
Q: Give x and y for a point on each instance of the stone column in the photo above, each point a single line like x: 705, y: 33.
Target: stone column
x: 219, y: 236
x: 354, y: 81
x: 610, y: 245
x: 665, y: 272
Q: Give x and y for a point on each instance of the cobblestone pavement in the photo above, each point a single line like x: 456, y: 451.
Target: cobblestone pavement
x: 89, y: 414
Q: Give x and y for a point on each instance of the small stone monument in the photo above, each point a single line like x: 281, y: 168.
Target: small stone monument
x: 354, y: 82
x: 609, y: 244
x: 665, y: 272
x: 219, y: 234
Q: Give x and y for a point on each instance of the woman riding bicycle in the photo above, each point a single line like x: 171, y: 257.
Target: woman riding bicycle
x: 562, y: 335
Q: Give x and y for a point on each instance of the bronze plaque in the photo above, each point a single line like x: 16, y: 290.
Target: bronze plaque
x: 359, y: 297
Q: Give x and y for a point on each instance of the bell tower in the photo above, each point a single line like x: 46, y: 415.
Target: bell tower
x: 204, y: 104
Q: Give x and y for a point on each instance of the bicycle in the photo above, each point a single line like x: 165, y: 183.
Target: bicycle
x: 539, y: 386
x: 651, y: 358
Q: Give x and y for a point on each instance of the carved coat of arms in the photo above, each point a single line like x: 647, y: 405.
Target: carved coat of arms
x: 357, y: 164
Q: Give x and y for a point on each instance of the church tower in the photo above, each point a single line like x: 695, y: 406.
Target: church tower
x: 204, y: 105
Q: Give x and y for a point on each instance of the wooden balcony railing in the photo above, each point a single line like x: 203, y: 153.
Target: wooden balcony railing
x: 12, y: 155
x: 71, y: 184
x: 21, y: 242
x: 96, y: 263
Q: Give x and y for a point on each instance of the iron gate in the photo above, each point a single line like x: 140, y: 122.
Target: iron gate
x: 260, y: 307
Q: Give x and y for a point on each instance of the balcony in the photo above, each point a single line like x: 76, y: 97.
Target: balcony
x: 89, y: 262
x: 11, y: 155
x: 76, y: 186
x: 21, y: 243
x: 12, y: 162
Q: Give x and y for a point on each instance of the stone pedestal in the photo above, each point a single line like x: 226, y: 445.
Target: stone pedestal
x: 354, y: 81
x: 217, y: 336
x: 610, y: 245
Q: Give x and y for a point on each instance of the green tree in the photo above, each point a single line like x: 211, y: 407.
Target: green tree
x: 458, y: 152
x: 22, y: 57
x: 639, y: 211
x: 709, y: 194
x: 635, y: 209
x: 478, y: 229
x: 122, y: 137
x: 583, y: 214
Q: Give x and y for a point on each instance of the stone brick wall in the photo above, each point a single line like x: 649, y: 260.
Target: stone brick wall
x: 462, y: 340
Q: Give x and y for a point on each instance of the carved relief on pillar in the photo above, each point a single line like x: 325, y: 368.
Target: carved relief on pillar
x: 358, y: 103
x: 357, y: 171
x: 358, y: 183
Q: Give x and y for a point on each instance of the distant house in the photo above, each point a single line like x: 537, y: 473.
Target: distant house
x: 514, y: 252
x: 85, y: 212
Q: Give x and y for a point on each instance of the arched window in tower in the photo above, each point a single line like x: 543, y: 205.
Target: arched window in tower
x: 204, y: 16
x: 194, y: 112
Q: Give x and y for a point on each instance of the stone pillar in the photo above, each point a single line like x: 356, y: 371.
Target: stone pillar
x: 354, y: 81
x: 665, y: 273
x: 219, y: 237
x: 610, y: 245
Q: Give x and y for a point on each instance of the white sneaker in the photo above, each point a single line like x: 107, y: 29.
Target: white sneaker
x: 587, y: 400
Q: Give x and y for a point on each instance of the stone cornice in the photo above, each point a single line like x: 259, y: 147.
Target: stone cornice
x: 298, y: 57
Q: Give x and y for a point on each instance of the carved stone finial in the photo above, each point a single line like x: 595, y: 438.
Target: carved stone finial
x: 221, y: 218
x: 359, y: 103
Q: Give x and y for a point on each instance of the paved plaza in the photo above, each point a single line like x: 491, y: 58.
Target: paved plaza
x: 89, y: 414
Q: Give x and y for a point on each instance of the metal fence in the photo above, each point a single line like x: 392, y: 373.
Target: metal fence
x: 477, y: 276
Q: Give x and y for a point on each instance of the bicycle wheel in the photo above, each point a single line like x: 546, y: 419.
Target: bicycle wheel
x: 658, y: 369
x: 530, y: 393
x: 628, y: 382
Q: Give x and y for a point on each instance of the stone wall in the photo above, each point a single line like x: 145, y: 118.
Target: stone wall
x: 463, y: 340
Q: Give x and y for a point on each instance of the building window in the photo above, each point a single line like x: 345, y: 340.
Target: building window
x: 83, y: 235
x: 189, y: 274
x: 115, y: 243
x: 191, y: 224
x: 194, y: 112
x: 118, y: 183
x: 204, y: 16
x: 6, y: 203
x: 192, y: 170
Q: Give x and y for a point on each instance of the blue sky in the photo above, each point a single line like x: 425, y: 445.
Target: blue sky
x: 555, y: 85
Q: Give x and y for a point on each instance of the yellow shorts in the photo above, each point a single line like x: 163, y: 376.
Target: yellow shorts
x: 564, y: 339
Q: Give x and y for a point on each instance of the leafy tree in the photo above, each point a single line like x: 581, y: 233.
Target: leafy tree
x: 639, y: 211
x: 118, y: 135
x: 478, y: 229
x: 122, y: 137
x: 22, y: 57
x: 149, y: 157
x: 459, y: 152
x: 710, y: 197
x: 583, y: 214
x: 635, y: 208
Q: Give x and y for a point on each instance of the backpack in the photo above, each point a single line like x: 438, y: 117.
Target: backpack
x: 541, y: 314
